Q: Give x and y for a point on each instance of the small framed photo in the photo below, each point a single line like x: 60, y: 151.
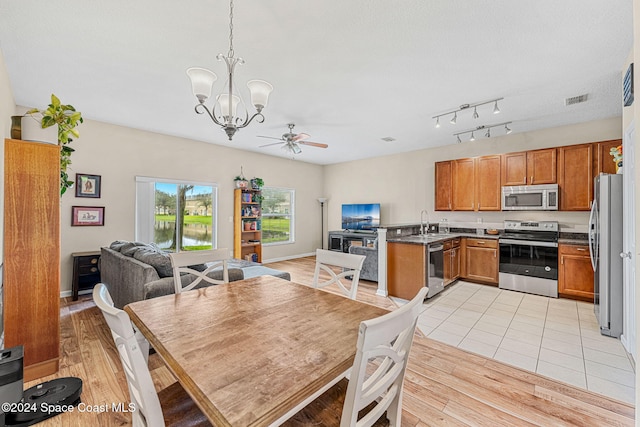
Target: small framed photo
x: 88, y: 185
x: 87, y: 215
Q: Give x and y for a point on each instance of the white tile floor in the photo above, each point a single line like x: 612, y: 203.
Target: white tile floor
x: 557, y: 338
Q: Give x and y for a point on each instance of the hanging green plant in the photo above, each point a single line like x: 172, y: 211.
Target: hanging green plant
x: 67, y: 119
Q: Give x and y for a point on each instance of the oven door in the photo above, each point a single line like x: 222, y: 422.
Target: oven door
x: 529, y: 266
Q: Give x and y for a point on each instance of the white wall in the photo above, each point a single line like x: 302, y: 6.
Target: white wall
x: 404, y: 183
x: 120, y: 154
x: 7, y: 109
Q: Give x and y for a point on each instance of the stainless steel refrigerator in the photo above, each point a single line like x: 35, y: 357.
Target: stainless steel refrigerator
x: 605, y: 246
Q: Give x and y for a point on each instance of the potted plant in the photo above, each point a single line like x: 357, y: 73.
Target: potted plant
x: 240, y: 180
x: 256, y: 183
x: 67, y: 119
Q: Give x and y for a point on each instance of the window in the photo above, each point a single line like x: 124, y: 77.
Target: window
x: 277, y: 215
x: 176, y: 215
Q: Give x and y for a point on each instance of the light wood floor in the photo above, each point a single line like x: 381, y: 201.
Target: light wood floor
x: 443, y: 386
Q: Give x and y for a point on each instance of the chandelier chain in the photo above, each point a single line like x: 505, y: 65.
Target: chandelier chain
x: 231, y: 29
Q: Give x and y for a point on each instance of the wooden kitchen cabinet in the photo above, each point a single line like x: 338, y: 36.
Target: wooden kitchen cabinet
x: 476, y: 184
x: 529, y: 167
x: 575, y: 273
x: 604, y: 161
x: 575, y: 177
x: 451, y: 261
x: 406, y: 269
x: 481, y: 260
x: 443, y: 186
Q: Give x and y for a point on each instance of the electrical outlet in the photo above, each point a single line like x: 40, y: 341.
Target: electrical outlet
x: 398, y: 231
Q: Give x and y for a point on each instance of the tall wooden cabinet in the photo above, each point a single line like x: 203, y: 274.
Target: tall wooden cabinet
x: 575, y: 177
x: 443, y: 186
x: 247, y: 224
x: 32, y: 254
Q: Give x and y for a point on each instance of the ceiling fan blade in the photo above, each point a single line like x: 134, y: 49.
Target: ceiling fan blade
x: 313, y: 144
x: 270, y: 137
x: 269, y: 145
x: 299, y: 137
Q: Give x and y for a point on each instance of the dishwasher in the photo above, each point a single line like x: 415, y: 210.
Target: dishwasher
x: 435, y: 268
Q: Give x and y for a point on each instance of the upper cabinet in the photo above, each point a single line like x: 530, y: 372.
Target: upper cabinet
x: 471, y: 184
x: 575, y: 177
x: 529, y: 167
x: 443, y: 186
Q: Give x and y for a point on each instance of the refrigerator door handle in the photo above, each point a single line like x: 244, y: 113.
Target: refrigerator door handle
x: 592, y: 235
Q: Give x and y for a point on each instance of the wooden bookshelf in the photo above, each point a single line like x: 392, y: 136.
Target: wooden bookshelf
x: 247, y: 224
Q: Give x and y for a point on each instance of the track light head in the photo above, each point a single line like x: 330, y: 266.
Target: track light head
x: 438, y: 122
x: 459, y: 140
x: 473, y: 138
x: 507, y: 130
x: 475, y: 113
x: 454, y: 118
x: 488, y: 134
x: 496, y: 110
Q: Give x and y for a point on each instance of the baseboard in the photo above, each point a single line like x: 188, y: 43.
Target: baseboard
x: 39, y: 370
x: 65, y: 294
x: 287, y: 258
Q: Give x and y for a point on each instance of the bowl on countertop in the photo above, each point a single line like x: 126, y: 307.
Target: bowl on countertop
x: 492, y: 231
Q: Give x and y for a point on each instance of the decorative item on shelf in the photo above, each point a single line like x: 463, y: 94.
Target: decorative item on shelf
x: 29, y: 128
x: 67, y: 119
x: 202, y: 81
x: 472, y: 137
x: 240, y: 180
x: 616, y: 153
x: 464, y: 107
x: 257, y: 183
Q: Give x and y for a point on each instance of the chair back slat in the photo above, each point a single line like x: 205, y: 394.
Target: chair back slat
x: 213, y: 259
x: 387, y: 340
x: 141, y: 389
x: 350, y: 264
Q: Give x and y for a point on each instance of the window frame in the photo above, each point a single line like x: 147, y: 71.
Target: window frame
x: 145, y: 204
x: 291, y: 215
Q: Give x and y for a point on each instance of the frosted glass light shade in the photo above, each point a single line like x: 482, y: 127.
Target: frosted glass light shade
x: 202, y: 81
x: 223, y: 100
x: 260, y: 91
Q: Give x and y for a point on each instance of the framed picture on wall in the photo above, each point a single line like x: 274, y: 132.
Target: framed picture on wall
x: 88, y: 185
x: 87, y: 215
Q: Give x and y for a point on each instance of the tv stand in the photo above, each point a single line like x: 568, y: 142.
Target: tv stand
x: 341, y: 241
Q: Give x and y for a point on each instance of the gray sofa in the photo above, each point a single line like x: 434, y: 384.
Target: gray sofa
x: 133, y: 271
x: 370, y: 266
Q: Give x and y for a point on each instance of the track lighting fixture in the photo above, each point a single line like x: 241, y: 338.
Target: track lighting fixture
x: 463, y: 107
x: 479, y: 128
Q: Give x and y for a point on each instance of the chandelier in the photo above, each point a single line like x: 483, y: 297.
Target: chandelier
x: 224, y: 111
x: 464, y: 107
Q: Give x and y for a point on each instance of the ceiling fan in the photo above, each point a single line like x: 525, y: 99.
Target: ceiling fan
x: 292, y: 141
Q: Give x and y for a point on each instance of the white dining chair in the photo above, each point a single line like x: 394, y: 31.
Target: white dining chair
x: 182, y: 262
x: 172, y: 405
x: 377, y: 375
x: 350, y: 264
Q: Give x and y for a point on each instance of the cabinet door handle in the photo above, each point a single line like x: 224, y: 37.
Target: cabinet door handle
x: 581, y: 249
x: 531, y: 180
x: 495, y: 254
x: 562, y: 260
x: 524, y: 180
x: 481, y: 243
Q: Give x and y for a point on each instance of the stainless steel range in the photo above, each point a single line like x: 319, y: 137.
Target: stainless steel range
x: 529, y: 257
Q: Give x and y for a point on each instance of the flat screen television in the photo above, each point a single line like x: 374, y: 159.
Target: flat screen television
x: 361, y: 216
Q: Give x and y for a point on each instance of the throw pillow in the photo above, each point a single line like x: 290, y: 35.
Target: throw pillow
x: 117, y: 245
x: 157, y: 259
x: 130, y: 248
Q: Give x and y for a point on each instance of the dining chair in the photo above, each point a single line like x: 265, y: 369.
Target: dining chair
x: 351, y: 266
x: 170, y: 406
x: 377, y: 375
x: 183, y: 262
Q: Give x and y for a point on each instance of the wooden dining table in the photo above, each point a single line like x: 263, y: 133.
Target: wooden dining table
x: 251, y: 351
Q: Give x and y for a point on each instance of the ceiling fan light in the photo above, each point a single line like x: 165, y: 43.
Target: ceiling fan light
x: 202, y: 81
x: 223, y: 101
x: 260, y: 91
x: 296, y: 149
x: 496, y: 110
x: 454, y: 118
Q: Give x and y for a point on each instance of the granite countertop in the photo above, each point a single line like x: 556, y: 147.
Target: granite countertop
x: 437, y: 237
x: 573, y: 241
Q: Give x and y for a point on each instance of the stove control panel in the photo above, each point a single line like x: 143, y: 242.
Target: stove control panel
x: 531, y: 225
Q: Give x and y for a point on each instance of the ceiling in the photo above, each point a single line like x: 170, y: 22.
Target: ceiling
x: 348, y: 73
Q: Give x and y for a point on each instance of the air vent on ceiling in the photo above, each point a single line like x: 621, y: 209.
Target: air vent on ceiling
x: 388, y: 139
x: 575, y: 100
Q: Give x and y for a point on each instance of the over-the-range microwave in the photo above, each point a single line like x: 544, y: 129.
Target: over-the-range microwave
x: 530, y: 198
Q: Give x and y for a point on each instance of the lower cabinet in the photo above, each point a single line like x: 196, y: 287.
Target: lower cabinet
x: 575, y: 273
x: 406, y: 269
x: 451, y: 261
x: 481, y: 260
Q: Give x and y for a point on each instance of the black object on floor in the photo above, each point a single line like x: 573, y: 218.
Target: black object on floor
x: 45, y: 400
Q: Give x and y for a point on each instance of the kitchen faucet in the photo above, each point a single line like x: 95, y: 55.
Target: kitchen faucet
x: 422, y: 222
